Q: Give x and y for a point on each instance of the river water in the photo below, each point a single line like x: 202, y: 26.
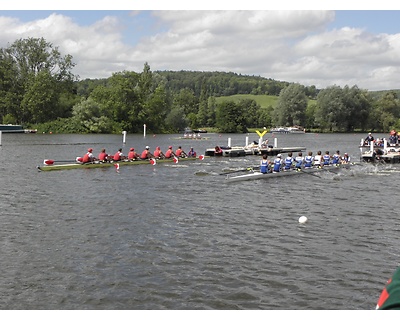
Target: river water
x: 179, y: 237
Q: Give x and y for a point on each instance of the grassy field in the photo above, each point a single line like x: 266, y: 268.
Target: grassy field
x: 263, y: 100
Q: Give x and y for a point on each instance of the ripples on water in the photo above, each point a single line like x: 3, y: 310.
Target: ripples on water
x: 164, y: 237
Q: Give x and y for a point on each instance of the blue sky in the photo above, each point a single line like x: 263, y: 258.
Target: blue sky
x: 311, y: 47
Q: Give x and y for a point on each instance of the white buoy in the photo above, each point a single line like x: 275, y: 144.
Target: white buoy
x: 303, y: 219
x: 123, y: 137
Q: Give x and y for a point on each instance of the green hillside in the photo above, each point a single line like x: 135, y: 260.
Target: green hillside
x: 263, y: 100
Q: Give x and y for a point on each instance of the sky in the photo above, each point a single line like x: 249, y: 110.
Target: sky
x: 311, y: 45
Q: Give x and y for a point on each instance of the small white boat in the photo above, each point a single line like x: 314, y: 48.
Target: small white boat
x: 288, y: 130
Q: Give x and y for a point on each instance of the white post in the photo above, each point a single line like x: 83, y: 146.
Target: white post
x: 362, y: 142
x: 259, y: 142
x: 371, y: 146
x: 144, y: 130
x: 0, y: 137
x: 123, y: 137
x: 247, y: 141
x: 275, y: 142
x: 229, y: 142
x: 384, y: 144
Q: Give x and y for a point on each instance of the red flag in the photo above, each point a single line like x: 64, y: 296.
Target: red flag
x: 153, y: 161
x: 201, y: 157
x: 176, y: 160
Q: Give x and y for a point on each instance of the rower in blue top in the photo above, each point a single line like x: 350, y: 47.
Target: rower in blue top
x: 308, y: 160
x: 289, y: 161
x: 299, y: 160
x: 277, y: 163
x: 336, y: 158
x: 327, y: 158
x: 264, y: 165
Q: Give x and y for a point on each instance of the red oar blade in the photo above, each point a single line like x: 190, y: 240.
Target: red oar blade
x: 48, y: 162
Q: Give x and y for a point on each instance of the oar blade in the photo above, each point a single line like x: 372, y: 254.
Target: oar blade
x: 48, y: 162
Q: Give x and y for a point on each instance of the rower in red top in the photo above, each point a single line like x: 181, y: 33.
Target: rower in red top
x: 158, y: 154
x: 88, y: 157
x: 103, y: 156
x: 169, y: 154
x: 180, y: 153
x: 118, y: 156
x: 132, y: 155
x: 146, y: 154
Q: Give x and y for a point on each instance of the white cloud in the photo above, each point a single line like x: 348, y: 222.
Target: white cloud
x: 294, y: 46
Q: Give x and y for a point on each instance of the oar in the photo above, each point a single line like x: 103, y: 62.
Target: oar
x: 242, y: 170
x: 310, y: 173
x: 50, y: 161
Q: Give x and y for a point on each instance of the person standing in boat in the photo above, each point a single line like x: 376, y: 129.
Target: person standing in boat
x: 308, y: 160
x: 369, y: 139
x: 146, y: 154
x: 277, y: 163
x: 119, y: 156
x: 192, y: 153
x: 158, y: 154
x: 299, y: 160
x: 265, y: 164
x: 180, y: 153
x: 88, y: 157
x: 336, y: 158
x: 326, y: 159
x: 289, y: 161
x: 132, y: 155
x: 393, y: 138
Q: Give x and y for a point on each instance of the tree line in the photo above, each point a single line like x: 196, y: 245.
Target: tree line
x: 38, y: 89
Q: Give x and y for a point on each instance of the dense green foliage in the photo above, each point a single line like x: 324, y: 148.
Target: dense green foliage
x: 38, y: 89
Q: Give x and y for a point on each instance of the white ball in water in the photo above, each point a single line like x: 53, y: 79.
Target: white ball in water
x: 303, y: 219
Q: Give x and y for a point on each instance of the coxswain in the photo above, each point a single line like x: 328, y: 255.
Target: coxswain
x: 103, y: 156
x: 158, y: 154
x: 146, y: 154
x: 180, y: 153
x: 264, y: 164
x: 132, y: 155
x: 88, y: 157
x: 277, y: 163
x: 192, y: 153
x: 346, y: 158
x: 169, y: 154
x: 118, y: 156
